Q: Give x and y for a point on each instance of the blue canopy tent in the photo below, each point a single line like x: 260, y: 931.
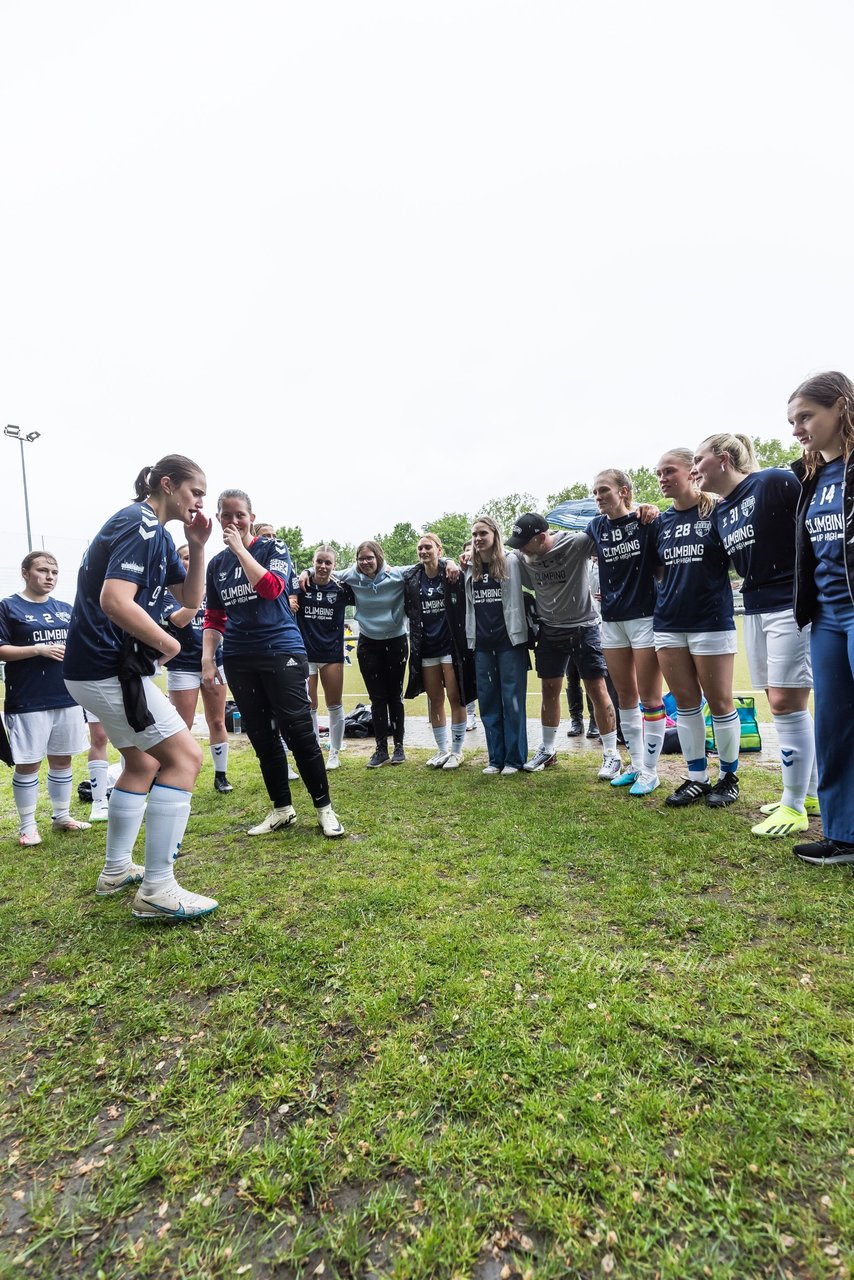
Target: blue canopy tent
x: 574, y: 515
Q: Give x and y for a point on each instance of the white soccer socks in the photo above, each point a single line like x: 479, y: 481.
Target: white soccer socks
x: 691, y: 728
x: 25, y: 788
x: 631, y: 724
x: 127, y: 809
x: 727, y: 740
x: 654, y: 729
x: 336, y: 726
x: 796, y: 737
x: 98, y: 780
x: 165, y: 823
x: 59, y: 789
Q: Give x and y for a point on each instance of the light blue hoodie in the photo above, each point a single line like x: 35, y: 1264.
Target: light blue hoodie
x: 379, y: 602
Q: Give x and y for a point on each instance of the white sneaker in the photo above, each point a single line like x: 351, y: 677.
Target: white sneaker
x: 438, y: 760
x: 543, y: 759
x: 491, y: 769
x: 99, y: 812
x: 328, y: 822
x: 454, y: 760
x: 293, y: 776
x: 612, y: 766
x: 275, y: 821
x: 471, y: 723
x: 332, y: 761
x: 70, y: 824
x: 170, y: 902
x: 114, y: 882
x: 508, y: 769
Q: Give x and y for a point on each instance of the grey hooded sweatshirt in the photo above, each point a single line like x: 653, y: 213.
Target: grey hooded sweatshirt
x: 560, y: 582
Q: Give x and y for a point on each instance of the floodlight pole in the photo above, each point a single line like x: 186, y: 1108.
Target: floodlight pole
x: 15, y: 433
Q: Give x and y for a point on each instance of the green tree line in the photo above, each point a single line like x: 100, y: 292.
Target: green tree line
x: 400, y: 543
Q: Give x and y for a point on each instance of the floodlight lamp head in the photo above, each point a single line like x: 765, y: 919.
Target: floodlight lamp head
x: 14, y: 432
x: 32, y: 435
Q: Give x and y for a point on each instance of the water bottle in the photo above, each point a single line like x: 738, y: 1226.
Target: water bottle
x: 236, y: 721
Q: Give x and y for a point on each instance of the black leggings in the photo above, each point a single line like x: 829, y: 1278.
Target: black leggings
x: 383, y: 664
x: 270, y: 693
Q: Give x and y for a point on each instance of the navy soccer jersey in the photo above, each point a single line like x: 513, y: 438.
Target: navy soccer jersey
x: 694, y: 593
x: 436, y: 640
x: 133, y: 546
x: 757, y: 527
x: 254, y: 625
x: 190, y: 636
x: 626, y: 551
x: 826, y: 529
x: 321, y: 620
x: 34, y: 684
x: 490, y: 631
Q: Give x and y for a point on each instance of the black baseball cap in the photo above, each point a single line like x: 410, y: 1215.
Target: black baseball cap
x: 526, y: 528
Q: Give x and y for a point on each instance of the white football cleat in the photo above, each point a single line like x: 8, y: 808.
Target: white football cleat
x: 454, y: 760
x: 170, y: 902
x: 100, y: 811
x: 114, y: 882
x: 328, y: 822
x: 275, y: 821
x: 332, y: 761
x: 70, y: 824
x: 28, y: 838
x: 438, y: 760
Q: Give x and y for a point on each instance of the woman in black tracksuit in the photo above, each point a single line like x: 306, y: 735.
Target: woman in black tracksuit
x: 265, y: 661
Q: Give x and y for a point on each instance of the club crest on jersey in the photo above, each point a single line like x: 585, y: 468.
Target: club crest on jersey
x: 63, y: 615
x: 747, y: 506
x: 702, y: 528
x: 630, y: 528
x: 332, y: 597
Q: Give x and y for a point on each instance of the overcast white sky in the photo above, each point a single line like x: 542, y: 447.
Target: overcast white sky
x: 376, y: 261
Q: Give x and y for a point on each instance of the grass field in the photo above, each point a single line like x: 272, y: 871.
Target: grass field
x: 507, y: 1028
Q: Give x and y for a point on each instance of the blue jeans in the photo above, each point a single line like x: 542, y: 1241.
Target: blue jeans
x: 832, y: 647
x: 502, y: 683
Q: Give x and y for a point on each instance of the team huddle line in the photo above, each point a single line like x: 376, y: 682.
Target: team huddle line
x: 465, y: 631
